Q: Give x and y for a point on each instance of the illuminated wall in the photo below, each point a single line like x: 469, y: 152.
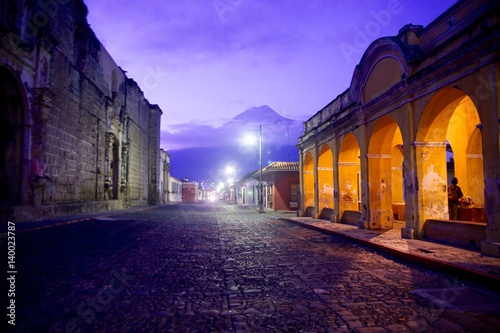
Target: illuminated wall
x: 308, y: 180
x: 349, y: 168
x: 420, y: 109
x: 325, y: 178
x: 449, y: 117
x: 383, y: 179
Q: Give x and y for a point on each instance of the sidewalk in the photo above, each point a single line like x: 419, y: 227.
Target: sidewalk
x: 453, y: 260
x: 63, y: 220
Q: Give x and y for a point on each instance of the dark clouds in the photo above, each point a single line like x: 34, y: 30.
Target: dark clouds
x: 190, y: 135
x: 195, y: 59
x: 206, y: 61
x: 184, y: 136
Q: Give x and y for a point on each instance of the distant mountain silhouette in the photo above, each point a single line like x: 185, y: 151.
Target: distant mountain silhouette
x: 210, y: 164
x: 259, y: 115
x: 223, y: 146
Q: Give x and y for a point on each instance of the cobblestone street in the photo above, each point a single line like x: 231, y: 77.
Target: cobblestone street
x: 224, y: 268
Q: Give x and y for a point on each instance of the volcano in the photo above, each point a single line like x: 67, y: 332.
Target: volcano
x: 223, y: 146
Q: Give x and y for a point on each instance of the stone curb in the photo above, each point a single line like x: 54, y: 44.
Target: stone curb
x: 57, y: 222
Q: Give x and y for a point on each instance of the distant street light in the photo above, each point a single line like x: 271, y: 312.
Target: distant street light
x: 231, y: 170
x: 250, y: 140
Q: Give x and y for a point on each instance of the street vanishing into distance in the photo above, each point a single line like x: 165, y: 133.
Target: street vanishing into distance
x: 215, y: 267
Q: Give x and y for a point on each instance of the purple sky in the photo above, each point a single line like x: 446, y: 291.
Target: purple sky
x: 206, y: 61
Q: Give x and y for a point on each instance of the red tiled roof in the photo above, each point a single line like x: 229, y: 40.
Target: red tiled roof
x: 274, y: 166
x: 282, y: 166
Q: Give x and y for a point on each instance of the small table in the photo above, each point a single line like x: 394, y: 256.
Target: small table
x: 472, y: 214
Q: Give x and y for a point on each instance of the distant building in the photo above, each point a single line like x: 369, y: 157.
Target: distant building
x: 190, y: 192
x: 175, y: 187
x: 378, y: 152
x: 280, y: 181
x: 164, y: 176
x: 170, y: 188
x: 77, y: 134
x: 248, y: 190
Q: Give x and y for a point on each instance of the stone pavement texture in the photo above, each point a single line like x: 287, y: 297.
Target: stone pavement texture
x: 434, y: 255
x: 224, y: 268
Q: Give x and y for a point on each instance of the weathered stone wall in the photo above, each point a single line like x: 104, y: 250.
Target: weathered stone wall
x: 73, y: 148
x: 154, y: 196
x: 89, y: 140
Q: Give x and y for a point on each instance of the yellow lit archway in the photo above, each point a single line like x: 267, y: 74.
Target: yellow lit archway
x: 308, y: 180
x: 325, y: 178
x: 451, y: 118
x: 385, y: 179
x: 349, y: 174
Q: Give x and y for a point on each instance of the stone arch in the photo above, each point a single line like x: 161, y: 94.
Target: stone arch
x: 349, y: 170
x: 385, y: 163
x: 383, y: 65
x: 384, y: 74
x: 12, y: 113
x: 450, y: 117
x: 308, y: 180
x: 325, y: 178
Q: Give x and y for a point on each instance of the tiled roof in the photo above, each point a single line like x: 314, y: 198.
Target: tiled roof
x: 282, y: 166
x: 274, y: 166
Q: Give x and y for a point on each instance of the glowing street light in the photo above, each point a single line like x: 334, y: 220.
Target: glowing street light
x: 231, y: 170
x: 220, y: 187
x: 250, y: 140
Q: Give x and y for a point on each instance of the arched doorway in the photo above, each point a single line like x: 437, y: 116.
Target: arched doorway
x: 308, y: 180
x: 449, y: 122
x: 349, y: 175
x: 11, y: 138
x: 325, y: 178
x: 385, y: 175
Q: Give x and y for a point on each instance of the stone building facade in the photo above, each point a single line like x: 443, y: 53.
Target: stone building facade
x: 175, y: 189
x: 170, y: 187
x: 190, y: 192
x: 164, y: 177
x: 77, y: 134
x: 422, y: 107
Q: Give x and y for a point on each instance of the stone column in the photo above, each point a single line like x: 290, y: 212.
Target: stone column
x: 432, y: 182
x: 124, y: 170
x: 154, y: 153
x: 336, y: 197
x: 300, y: 199
x: 108, y: 177
x: 379, y: 191
x: 124, y: 160
x: 166, y: 181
